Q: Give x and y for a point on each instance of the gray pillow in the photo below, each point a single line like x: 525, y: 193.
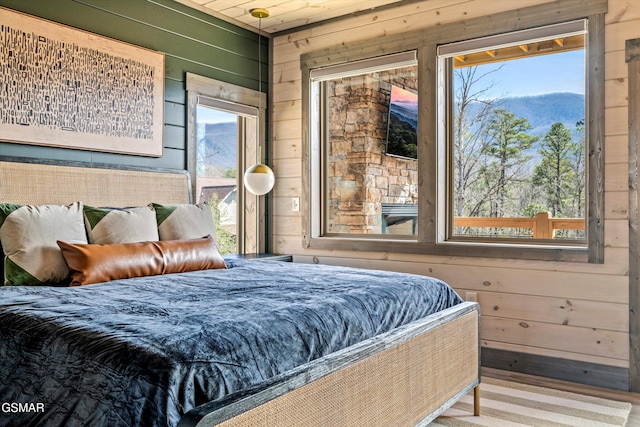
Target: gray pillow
x: 131, y: 225
x: 29, y: 235
x: 183, y: 222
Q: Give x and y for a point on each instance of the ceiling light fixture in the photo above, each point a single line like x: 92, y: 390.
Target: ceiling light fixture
x: 259, y: 178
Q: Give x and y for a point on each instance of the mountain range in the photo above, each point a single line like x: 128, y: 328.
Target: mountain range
x: 221, y: 140
x: 542, y: 111
x: 405, y: 112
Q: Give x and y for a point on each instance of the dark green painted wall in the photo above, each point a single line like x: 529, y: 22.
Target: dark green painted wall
x: 192, y: 41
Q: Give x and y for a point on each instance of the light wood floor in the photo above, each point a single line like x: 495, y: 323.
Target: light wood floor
x: 623, y: 396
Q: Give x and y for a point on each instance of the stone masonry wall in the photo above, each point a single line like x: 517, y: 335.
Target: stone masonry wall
x: 361, y: 176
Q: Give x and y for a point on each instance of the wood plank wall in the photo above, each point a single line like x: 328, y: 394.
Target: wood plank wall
x: 568, y: 311
x: 192, y: 41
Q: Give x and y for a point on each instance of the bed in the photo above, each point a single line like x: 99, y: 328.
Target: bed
x: 256, y: 343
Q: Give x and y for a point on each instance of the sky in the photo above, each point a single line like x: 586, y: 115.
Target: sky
x: 538, y: 75
x: 211, y: 115
x: 402, y: 96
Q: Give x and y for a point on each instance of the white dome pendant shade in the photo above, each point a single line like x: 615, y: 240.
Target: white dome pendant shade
x: 259, y: 179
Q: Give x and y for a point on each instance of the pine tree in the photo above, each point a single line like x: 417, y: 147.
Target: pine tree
x: 507, y: 143
x: 554, y: 174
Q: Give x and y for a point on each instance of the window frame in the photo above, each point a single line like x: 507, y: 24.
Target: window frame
x: 446, y: 69
x: 250, y: 106
x: 432, y: 224
x: 319, y: 136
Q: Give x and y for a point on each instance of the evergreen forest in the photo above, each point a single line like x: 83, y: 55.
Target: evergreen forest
x: 503, y: 167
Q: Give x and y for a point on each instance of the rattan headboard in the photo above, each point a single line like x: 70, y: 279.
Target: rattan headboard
x: 95, y: 185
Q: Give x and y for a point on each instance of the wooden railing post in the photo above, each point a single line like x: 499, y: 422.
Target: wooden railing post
x: 542, y: 228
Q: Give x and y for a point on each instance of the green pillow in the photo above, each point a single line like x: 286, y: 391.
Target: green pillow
x: 29, y: 236
x: 184, y: 222
x: 131, y: 225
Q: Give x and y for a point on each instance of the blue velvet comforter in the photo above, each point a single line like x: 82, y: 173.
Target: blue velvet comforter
x: 145, y: 351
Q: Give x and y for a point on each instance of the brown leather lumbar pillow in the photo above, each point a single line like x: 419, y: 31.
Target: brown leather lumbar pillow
x: 94, y: 263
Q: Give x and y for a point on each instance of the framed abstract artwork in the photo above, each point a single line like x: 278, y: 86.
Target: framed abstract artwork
x: 64, y: 87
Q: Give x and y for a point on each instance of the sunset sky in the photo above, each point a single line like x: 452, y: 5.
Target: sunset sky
x: 401, y: 96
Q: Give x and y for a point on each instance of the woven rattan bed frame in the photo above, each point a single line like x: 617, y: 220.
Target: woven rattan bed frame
x: 404, y: 378
x: 408, y: 376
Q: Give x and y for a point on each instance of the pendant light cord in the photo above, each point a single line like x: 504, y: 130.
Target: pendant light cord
x: 259, y: 153
x: 260, y: 90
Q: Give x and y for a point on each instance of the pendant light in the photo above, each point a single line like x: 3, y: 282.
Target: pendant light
x: 259, y: 178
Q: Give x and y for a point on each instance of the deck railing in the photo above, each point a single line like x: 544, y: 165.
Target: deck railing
x: 543, y: 225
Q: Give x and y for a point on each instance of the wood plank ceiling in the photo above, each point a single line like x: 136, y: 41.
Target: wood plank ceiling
x: 284, y: 14
x: 514, y: 52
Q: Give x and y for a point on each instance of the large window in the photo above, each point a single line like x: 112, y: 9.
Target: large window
x: 515, y: 140
x: 369, y: 155
x: 496, y: 150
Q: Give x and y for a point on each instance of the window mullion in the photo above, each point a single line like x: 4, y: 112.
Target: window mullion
x: 428, y: 187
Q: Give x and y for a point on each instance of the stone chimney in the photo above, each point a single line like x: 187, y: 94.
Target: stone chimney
x: 361, y: 176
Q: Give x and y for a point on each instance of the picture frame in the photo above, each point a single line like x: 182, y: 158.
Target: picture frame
x: 65, y: 87
x: 402, y: 124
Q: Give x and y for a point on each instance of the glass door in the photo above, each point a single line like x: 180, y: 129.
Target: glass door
x: 217, y: 171
x: 224, y: 133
